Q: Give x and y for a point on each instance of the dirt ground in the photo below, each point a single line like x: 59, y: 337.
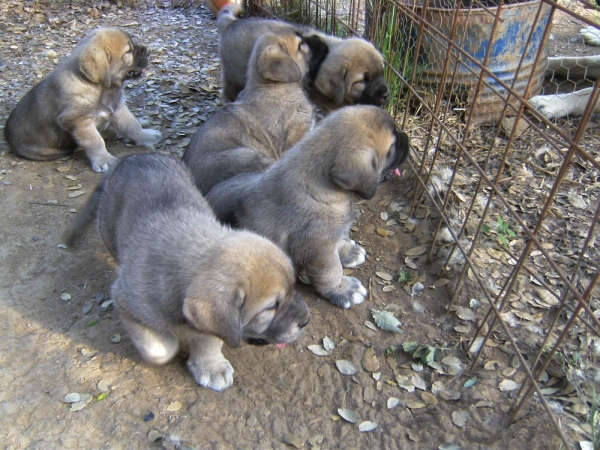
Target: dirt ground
x: 59, y: 334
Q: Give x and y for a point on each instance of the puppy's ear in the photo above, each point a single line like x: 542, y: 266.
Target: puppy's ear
x: 216, y: 312
x: 402, y: 146
x: 331, y: 81
x: 275, y: 64
x: 94, y: 63
x: 357, y: 172
x: 318, y: 52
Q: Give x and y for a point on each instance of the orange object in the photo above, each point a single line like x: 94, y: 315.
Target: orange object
x: 220, y: 4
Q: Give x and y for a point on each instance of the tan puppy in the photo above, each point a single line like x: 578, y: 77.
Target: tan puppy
x: 345, y: 72
x: 81, y: 98
x: 182, y: 275
x: 270, y: 116
x: 306, y: 202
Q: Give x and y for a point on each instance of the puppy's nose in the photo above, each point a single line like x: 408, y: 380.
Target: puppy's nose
x: 383, y: 93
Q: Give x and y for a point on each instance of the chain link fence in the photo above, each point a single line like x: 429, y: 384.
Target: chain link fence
x: 512, y: 190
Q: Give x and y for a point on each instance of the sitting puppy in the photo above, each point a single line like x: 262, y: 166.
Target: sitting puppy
x: 306, y: 201
x: 182, y: 275
x: 270, y: 116
x: 80, y: 98
x: 348, y: 72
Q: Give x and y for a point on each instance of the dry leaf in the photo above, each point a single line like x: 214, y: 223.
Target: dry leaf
x: 367, y: 426
x: 384, y: 276
x: 416, y: 251
x: 318, y: 350
x: 348, y: 415
x: 460, y: 418
x: 508, y: 385
x: 392, y: 402
x: 346, y: 367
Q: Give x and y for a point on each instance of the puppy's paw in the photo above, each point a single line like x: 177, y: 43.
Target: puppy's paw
x: 149, y: 138
x: 214, y: 373
x: 353, y: 255
x: 556, y: 106
x: 591, y: 35
x: 350, y: 292
x: 103, y: 163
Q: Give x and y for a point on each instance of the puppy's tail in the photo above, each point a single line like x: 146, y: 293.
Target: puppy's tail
x: 227, y: 12
x: 85, y: 216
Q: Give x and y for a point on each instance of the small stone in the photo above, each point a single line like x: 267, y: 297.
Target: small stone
x: 65, y: 296
x: 293, y: 440
x: 103, y: 386
x: 154, y: 436
x: 251, y: 421
x: 115, y: 338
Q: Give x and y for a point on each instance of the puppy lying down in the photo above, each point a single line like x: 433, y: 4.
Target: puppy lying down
x: 183, y: 276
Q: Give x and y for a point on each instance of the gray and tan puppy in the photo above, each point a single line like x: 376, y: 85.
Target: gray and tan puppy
x: 345, y: 72
x: 306, y: 201
x: 183, y: 275
x: 270, y: 116
x: 81, y: 98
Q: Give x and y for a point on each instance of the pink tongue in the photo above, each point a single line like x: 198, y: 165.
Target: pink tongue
x: 397, y: 172
x: 280, y: 345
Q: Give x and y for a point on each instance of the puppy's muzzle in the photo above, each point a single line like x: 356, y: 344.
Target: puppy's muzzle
x: 141, y: 57
x: 255, y: 341
x: 376, y: 93
x: 400, y: 154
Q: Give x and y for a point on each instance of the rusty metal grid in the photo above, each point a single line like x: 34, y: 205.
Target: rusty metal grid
x: 481, y: 145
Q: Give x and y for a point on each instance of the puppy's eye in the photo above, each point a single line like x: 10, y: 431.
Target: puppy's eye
x: 367, y: 77
x: 274, y: 306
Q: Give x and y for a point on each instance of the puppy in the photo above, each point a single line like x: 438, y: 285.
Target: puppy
x: 347, y: 72
x: 81, y: 98
x: 306, y: 202
x: 184, y: 276
x: 270, y: 116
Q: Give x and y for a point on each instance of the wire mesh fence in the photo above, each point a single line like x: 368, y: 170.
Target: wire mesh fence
x: 509, y: 177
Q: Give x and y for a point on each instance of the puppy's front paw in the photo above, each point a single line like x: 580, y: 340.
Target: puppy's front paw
x: 216, y: 374
x: 350, y: 292
x: 353, y: 255
x: 102, y: 163
x: 591, y: 35
x: 556, y: 106
x: 149, y: 138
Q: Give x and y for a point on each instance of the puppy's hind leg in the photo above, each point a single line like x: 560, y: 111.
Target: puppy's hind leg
x: 156, y: 347
x: 206, y: 362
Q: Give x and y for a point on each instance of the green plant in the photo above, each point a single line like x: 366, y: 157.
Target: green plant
x: 395, y: 36
x: 504, y: 231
